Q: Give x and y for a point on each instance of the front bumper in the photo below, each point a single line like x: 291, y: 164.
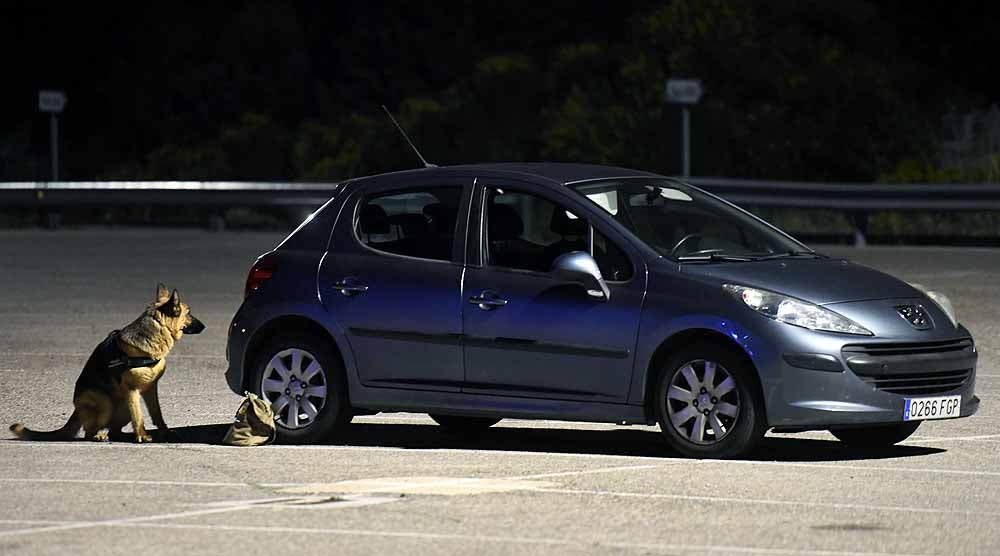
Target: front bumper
x: 856, y: 382
x: 817, y: 380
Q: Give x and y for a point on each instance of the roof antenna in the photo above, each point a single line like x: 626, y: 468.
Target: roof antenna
x: 412, y: 146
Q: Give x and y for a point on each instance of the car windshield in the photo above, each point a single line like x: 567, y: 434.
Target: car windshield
x: 684, y: 223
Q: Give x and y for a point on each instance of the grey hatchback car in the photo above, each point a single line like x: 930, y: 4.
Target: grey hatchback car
x: 586, y: 293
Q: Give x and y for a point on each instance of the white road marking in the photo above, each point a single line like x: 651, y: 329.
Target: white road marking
x: 948, y: 438
x: 586, y: 544
x: 324, y: 487
x: 516, y: 453
x: 123, y: 521
x: 443, y: 486
x: 237, y: 506
x: 34, y: 521
x: 125, y: 482
x: 586, y: 472
x: 766, y: 501
x: 861, y: 467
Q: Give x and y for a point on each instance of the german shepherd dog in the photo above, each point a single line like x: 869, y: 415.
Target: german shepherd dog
x: 127, y: 365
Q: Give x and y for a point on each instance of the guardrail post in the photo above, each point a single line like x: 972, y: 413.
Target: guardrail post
x: 860, y: 221
x: 216, y: 222
x: 51, y: 218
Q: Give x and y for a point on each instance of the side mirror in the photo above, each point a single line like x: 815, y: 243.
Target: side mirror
x: 578, y: 267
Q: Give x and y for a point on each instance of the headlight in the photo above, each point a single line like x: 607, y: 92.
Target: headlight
x: 942, y: 301
x: 795, y: 311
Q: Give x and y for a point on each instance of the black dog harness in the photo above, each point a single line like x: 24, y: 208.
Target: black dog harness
x: 118, y: 360
x: 106, y: 362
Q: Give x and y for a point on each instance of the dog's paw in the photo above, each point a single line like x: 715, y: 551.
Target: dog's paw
x: 140, y: 438
x: 100, y: 437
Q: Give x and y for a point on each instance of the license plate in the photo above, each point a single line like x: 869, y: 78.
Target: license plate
x: 919, y: 409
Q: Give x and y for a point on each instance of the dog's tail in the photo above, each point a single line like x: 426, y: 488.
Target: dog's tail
x: 66, y: 432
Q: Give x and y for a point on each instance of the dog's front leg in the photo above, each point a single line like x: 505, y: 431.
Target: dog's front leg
x: 152, y: 398
x: 135, y: 412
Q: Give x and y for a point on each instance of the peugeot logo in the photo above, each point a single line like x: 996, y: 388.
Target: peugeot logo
x: 916, y: 316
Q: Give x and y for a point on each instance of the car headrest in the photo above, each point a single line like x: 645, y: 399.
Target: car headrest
x: 566, y: 226
x: 441, y: 218
x: 411, y: 224
x: 505, y: 223
x: 374, y: 220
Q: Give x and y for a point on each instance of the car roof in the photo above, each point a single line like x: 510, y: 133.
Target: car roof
x: 559, y: 172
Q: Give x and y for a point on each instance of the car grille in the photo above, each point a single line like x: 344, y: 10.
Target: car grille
x: 913, y: 369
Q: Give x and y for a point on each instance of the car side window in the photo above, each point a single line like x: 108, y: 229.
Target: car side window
x: 415, y: 223
x: 528, y: 232
x: 613, y: 262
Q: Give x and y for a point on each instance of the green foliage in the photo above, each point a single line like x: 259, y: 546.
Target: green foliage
x: 917, y: 170
x: 256, y: 148
x: 185, y: 163
x: 794, y: 90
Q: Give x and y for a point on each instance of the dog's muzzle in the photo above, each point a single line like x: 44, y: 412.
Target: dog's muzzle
x: 195, y: 327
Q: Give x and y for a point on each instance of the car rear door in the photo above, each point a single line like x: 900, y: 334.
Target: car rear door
x: 528, y: 334
x: 392, y: 280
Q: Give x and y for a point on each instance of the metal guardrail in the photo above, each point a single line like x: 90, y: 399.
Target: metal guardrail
x: 54, y: 195
x: 857, y: 199
x: 861, y: 197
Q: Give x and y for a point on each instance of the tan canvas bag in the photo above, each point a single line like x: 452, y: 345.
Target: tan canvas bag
x: 254, y: 424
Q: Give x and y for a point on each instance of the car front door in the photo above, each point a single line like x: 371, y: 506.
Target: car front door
x: 392, y: 280
x: 528, y: 334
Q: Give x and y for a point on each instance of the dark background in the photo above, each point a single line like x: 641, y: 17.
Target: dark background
x: 795, y: 89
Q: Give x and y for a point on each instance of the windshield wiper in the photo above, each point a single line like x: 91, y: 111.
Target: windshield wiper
x: 713, y: 258
x: 790, y: 254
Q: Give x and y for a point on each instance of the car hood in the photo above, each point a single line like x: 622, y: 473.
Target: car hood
x: 820, y: 281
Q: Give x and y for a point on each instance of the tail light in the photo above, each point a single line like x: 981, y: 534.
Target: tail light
x: 260, y: 272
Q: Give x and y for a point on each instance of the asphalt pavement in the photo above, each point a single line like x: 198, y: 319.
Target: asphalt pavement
x: 395, y: 483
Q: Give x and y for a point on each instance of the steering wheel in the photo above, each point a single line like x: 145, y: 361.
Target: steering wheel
x: 685, y: 239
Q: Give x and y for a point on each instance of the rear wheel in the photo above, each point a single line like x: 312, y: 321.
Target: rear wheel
x: 876, y: 437
x: 304, y: 382
x: 708, y: 402
x: 464, y: 425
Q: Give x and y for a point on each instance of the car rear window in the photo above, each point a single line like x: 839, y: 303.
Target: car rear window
x: 417, y: 222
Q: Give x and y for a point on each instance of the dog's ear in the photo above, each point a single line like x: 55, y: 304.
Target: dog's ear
x: 162, y: 293
x: 173, y: 305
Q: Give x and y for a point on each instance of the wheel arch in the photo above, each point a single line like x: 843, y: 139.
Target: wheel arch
x: 684, y: 338
x: 294, y: 325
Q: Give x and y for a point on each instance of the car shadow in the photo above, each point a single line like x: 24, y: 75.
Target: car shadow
x: 615, y: 442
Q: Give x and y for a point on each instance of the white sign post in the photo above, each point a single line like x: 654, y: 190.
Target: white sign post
x: 684, y: 92
x: 53, y: 102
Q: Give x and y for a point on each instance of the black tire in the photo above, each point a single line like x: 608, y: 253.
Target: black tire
x: 741, y: 432
x: 879, y: 436
x: 464, y: 425
x: 335, y: 411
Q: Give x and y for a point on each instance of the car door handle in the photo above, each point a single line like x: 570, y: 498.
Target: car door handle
x: 487, y: 301
x: 349, y: 287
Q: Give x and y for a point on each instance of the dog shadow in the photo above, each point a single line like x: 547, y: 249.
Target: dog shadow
x: 616, y: 442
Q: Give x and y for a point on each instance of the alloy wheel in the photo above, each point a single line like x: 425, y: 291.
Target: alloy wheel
x: 702, y: 402
x: 295, y: 384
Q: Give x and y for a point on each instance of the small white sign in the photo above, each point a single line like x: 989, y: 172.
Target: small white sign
x: 51, y: 101
x: 683, y: 91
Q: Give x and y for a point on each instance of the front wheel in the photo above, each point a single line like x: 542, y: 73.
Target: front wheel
x: 304, y: 382
x: 876, y: 437
x: 708, y: 402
